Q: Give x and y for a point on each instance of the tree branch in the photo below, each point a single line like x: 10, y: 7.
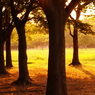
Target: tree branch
x: 13, y: 11
x: 30, y: 8
x: 71, y: 6
x: 8, y: 31
x: 70, y: 31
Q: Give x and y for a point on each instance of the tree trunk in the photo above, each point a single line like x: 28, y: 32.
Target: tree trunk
x: 56, y: 82
x: 2, y: 67
x: 57, y: 15
x: 8, y: 53
x: 20, y: 26
x: 23, y: 69
x: 75, y: 60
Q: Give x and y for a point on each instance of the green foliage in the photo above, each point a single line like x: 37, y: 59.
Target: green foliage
x: 35, y: 36
x: 39, y: 40
x: 14, y: 36
x: 82, y: 27
x: 39, y: 18
x: 85, y: 40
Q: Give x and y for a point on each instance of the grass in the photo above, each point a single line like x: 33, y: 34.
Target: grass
x: 80, y: 80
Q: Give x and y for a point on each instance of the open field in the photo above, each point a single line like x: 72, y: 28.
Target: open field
x: 80, y: 80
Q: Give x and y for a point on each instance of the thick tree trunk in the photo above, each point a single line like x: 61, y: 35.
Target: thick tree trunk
x: 57, y: 16
x: 20, y: 26
x: 2, y: 68
x: 75, y: 60
x: 8, y: 53
x: 23, y: 69
x: 56, y: 82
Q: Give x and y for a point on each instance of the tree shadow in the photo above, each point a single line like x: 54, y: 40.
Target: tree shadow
x: 85, y: 71
x: 30, y: 62
x: 12, y: 60
x: 77, y: 86
x: 37, y: 87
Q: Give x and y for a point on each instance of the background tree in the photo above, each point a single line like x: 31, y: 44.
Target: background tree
x: 85, y: 40
x: 78, y: 10
x: 8, y: 52
x: 8, y: 28
x: 2, y: 68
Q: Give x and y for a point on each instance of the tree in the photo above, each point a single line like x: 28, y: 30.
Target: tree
x: 2, y: 68
x: 20, y: 26
x: 8, y: 53
x: 75, y: 60
x: 57, y: 14
x: 6, y: 29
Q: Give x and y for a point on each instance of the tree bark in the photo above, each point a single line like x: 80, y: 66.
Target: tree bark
x: 23, y: 68
x: 56, y: 82
x: 75, y: 60
x: 2, y: 67
x: 8, y: 53
x: 20, y: 26
x: 57, y: 15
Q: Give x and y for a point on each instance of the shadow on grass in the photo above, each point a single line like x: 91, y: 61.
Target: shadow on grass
x: 36, y: 88
x: 30, y: 62
x: 12, y: 60
x: 21, y: 90
x: 85, y: 71
x: 74, y: 86
x: 80, y: 86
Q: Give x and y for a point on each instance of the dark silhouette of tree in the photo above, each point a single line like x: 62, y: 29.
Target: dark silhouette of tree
x: 57, y: 14
x: 75, y: 60
x: 2, y: 67
x: 7, y: 38
x: 20, y: 26
x: 6, y: 29
x: 8, y: 53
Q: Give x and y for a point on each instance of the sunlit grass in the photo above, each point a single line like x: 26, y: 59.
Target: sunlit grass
x: 85, y: 55
x: 38, y: 58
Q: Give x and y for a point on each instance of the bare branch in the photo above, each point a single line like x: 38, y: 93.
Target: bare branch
x: 71, y: 6
x: 70, y: 30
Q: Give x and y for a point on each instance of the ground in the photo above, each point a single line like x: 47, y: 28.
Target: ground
x: 80, y: 80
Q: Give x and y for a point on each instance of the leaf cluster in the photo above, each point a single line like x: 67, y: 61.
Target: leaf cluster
x: 80, y: 26
x: 39, y: 18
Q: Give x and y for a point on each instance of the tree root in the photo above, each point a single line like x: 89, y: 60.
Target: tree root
x: 23, y: 82
x: 75, y: 64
